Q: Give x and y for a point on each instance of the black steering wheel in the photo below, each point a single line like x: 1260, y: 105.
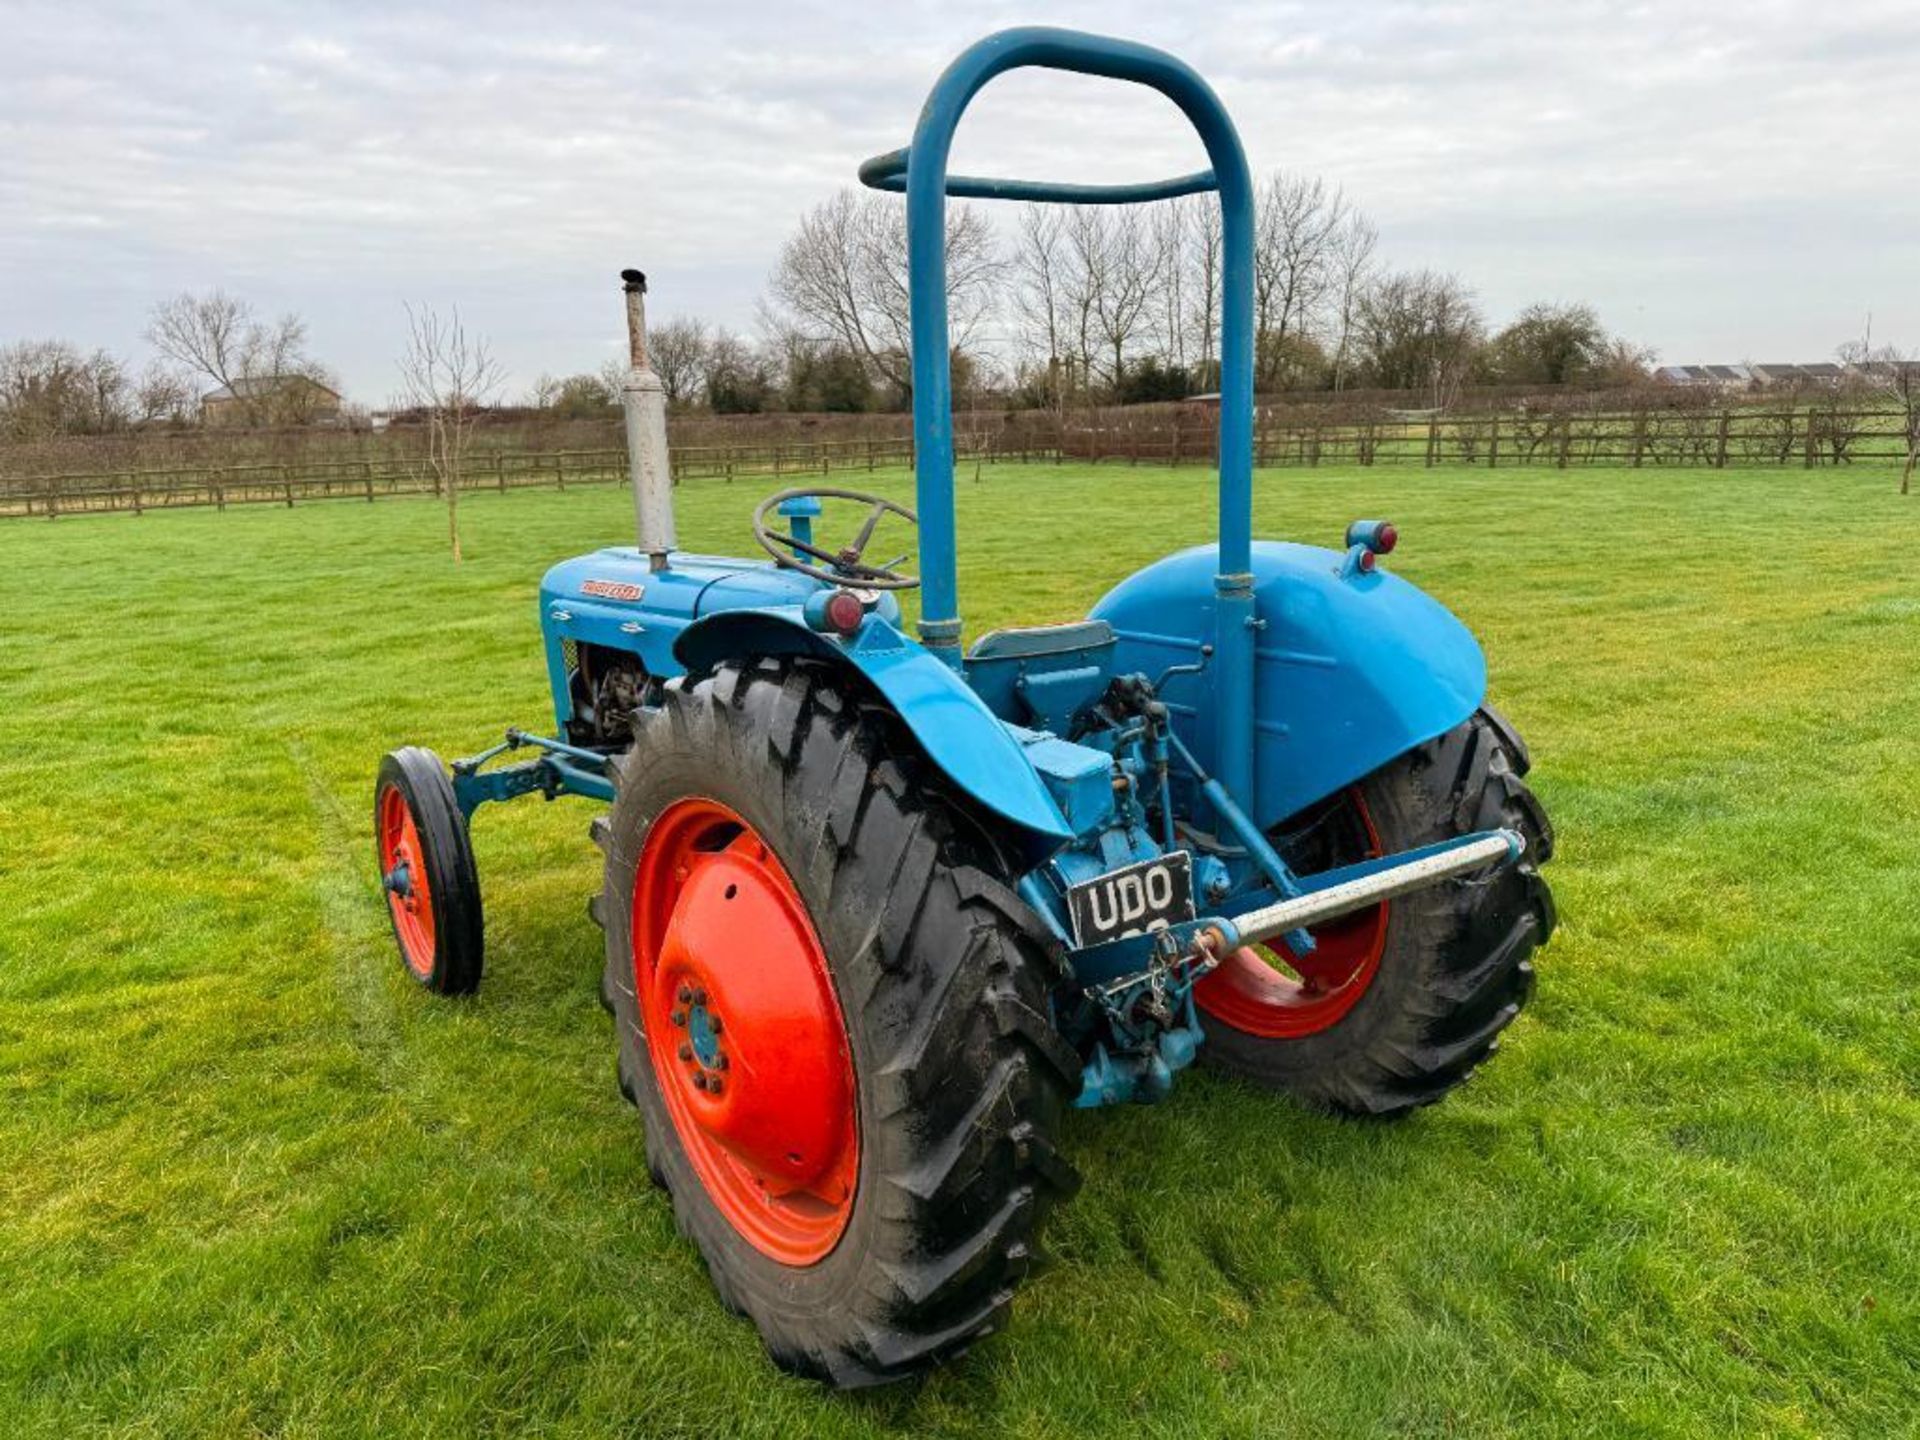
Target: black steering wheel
x: 845, y: 565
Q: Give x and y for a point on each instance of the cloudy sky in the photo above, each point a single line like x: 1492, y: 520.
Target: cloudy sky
x: 1724, y: 181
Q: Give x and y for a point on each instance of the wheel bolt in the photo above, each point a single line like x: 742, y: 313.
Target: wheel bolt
x: 713, y: 1085
x: 699, y: 997
x: 678, y: 1017
x: 686, y: 1051
x: 700, y: 1080
x: 719, y: 1062
x: 685, y: 997
x: 713, y: 1023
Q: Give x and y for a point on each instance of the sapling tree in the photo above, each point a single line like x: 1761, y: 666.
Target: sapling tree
x: 449, y: 377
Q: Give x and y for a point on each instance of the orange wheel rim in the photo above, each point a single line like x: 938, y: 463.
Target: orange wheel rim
x: 745, y: 1032
x: 1277, y: 995
x: 403, y: 872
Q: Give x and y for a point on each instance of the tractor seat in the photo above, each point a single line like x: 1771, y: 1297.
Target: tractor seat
x: 1038, y: 641
x: 1042, y: 676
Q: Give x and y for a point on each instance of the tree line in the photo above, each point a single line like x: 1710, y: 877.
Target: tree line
x: 1050, y: 307
x: 1073, y: 305
x: 209, y: 342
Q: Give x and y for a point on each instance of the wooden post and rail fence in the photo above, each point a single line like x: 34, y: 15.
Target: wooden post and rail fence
x: 1806, y: 438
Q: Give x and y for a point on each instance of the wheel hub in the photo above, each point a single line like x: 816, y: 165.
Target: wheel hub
x: 745, y: 1030
x: 1278, y: 995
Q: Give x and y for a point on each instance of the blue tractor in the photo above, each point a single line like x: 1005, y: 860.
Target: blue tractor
x: 879, y: 907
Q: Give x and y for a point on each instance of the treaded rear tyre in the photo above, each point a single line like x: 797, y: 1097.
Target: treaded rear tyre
x: 1456, y: 964
x: 959, y: 1077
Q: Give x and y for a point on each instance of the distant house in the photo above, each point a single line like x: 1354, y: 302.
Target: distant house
x: 1714, y: 376
x: 271, y: 400
x: 1753, y: 377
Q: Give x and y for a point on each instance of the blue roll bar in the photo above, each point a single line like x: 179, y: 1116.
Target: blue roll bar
x: 920, y: 171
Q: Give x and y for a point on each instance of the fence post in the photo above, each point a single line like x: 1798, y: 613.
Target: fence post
x: 1810, y: 444
x: 1720, y: 445
x: 286, y: 482
x: 1566, y: 438
x: 560, y: 470
x: 1493, y: 445
x: 1433, y: 438
x: 1639, y: 437
x: 133, y: 481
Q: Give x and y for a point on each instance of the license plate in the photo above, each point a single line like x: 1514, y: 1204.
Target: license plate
x: 1147, y: 895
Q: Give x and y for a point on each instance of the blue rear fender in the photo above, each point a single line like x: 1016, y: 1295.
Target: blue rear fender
x: 1351, y: 670
x: 953, y: 725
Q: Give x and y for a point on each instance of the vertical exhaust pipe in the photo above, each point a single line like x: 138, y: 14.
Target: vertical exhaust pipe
x: 645, y: 401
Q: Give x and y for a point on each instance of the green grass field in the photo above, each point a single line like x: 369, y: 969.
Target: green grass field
x: 254, y: 1181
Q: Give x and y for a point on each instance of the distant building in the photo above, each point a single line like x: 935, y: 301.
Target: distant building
x: 271, y: 399
x: 1751, y: 377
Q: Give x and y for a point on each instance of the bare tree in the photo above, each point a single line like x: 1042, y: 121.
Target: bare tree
x: 1295, y: 239
x: 1418, y: 330
x: 1126, y: 273
x: 217, y: 337
x: 1351, y: 264
x: 1201, y: 256
x: 1167, y: 224
x: 163, y: 393
x: 1039, y: 271
x: 1892, y: 374
x: 843, y: 277
x: 544, y: 391
x: 51, y: 387
x: 678, y: 349
x: 449, y: 376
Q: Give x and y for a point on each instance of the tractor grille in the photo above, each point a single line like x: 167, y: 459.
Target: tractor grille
x: 569, y: 653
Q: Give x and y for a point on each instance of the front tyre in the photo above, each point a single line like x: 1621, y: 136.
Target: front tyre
x: 1399, y: 1004
x: 427, y: 871
x: 832, y: 1014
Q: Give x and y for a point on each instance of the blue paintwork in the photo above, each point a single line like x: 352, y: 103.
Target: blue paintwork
x: 1079, y: 779
x: 959, y: 733
x: 927, y: 183
x: 889, y: 172
x: 1319, y: 671
x: 1041, y: 685
x: 693, y: 586
x: 1351, y: 671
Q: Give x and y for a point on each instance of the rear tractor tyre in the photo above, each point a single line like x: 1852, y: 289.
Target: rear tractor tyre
x: 427, y: 871
x: 1396, y: 1005
x: 831, y: 1010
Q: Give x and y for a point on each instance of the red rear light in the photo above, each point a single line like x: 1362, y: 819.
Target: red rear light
x: 1384, y: 539
x: 1366, y: 561
x: 845, y: 612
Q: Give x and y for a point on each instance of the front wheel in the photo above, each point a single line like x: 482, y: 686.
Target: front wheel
x: 427, y: 871
x: 1399, y: 1004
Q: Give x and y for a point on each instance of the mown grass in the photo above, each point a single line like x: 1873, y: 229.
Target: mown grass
x: 252, y: 1180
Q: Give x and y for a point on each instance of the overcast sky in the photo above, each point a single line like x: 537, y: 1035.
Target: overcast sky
x: 1724, y: 181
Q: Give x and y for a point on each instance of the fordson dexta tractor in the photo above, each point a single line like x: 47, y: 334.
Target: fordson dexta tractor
x: 879, y: 906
